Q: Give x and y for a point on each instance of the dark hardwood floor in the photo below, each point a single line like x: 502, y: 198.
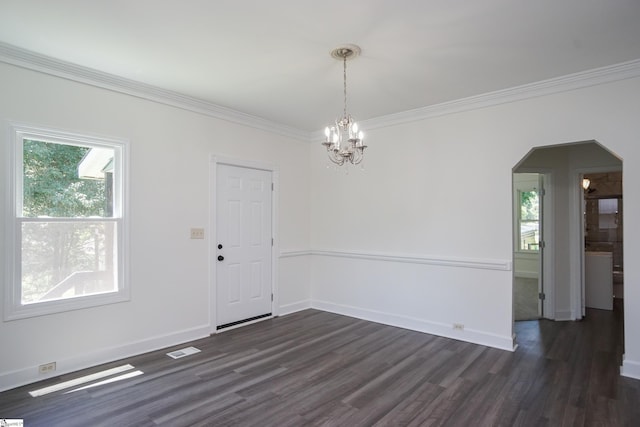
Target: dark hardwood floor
x: 317, y: 368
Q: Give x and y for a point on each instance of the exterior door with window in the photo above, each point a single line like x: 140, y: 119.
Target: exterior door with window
x: 244, y: 245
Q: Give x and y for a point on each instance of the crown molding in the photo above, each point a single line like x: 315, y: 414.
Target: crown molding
x: 45, y: 64
x: 48, y: 65
x: 593, y: 77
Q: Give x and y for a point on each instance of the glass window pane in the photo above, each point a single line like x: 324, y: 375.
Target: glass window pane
x: 66, y: 181
x: 529, y: 236
x: 67, y: 259
x: 529, y: 205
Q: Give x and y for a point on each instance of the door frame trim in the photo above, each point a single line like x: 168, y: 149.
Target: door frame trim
x: 215, y: 160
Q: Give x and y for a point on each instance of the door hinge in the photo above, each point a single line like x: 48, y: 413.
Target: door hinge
x: 542, y: 193
x: 272, y: 241
x: 272, y: 186
x: 541, y: 296
x: 272, y: 297
x: 541, y: 244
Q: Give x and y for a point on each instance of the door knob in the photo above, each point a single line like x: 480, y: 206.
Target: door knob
x: 220, y: 258
x: 219, y: 246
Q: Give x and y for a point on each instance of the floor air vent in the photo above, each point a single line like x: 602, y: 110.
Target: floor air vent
x: 183, y: 352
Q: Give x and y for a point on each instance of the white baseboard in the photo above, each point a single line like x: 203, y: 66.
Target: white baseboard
x: 630, y: 368
x: 564, y: 315
x: 29, y: 375
x: 293, y: 307
x: 526, y: 274
x: 420, y: 325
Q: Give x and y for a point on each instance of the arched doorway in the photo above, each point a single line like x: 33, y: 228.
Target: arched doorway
x: 561, y: 250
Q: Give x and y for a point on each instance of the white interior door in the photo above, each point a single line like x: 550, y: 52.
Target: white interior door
x: 243, y: 255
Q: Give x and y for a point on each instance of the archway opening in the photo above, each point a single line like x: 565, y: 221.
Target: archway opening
x: 557, y: 261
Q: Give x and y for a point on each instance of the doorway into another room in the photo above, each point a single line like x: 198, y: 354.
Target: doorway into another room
x: 580, y: 228
x: 603, y: 248
x: 528, y: 286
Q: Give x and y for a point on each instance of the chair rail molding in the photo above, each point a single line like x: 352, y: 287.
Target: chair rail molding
x: 484, y: 264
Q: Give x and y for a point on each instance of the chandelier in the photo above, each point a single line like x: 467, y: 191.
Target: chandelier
x: 343, y: 139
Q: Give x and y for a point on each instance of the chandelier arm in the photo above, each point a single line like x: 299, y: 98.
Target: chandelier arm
x: 333, y: 156
x: 338, y: 160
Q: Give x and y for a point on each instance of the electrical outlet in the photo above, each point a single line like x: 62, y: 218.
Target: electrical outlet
x: 47, y: 368
x: 458, y: 326
x: 197, y: 233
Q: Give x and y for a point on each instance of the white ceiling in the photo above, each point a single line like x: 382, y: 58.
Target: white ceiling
x: 270, y: 59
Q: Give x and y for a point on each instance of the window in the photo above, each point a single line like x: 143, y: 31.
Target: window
x: 68, y: 223
x: 529, y: 220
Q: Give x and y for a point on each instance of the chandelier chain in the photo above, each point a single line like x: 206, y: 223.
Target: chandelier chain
x: 344, y: 60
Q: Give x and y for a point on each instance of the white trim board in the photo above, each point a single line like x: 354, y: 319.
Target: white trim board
x: 30, y: 374
x: 630, y: 368
x: 419, y: 325
x: 45, y: 64
x: 295, y: 253
x: 564, y: 315
x: 526, y: 274
x: 483, y: 264
x: 66, y: 70
x: 582, y: 79
x: 294, y: 307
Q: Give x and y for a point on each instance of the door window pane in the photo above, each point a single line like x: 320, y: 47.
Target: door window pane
x: 529, y: 205
x: 529, y: 220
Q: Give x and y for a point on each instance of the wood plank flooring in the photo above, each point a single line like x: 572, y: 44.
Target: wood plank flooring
x: 316, y: 368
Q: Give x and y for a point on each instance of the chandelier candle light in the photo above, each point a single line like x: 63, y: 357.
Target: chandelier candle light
x: 343, y: 139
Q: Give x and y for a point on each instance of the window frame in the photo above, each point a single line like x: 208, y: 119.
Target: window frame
x: 14, y: 309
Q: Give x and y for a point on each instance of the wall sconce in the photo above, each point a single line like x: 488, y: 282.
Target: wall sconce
x: 586, y: 182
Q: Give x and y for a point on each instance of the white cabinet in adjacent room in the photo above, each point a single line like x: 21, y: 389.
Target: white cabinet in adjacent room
x: 598, y: 270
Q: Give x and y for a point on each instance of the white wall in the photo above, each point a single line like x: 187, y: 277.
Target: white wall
x: 441, y: 189
x: 170, y: 192
x: 422, y: 238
